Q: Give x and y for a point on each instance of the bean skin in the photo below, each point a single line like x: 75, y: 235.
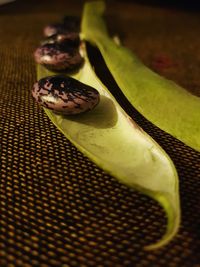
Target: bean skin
x: 65, y: 95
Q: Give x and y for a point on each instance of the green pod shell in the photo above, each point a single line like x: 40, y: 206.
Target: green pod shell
x: 163, y: 102
x: 110, y: 138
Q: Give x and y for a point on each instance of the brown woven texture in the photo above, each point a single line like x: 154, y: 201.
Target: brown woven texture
x: 57, y: 207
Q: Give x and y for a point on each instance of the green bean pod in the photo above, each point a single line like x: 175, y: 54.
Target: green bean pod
x: 163, y: 102
x: 111, y: 139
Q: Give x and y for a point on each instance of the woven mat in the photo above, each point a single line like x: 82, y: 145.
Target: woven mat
x: 57, y: 207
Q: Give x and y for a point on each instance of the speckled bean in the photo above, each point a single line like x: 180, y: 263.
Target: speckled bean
x: 65, y: 95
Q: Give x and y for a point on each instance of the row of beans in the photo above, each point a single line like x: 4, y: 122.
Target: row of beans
x: 60, y: 52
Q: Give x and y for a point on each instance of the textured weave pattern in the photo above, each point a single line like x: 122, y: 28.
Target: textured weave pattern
x: 57, y: 208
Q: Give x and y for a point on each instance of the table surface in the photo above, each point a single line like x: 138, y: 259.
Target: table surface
x: 57, y: 207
